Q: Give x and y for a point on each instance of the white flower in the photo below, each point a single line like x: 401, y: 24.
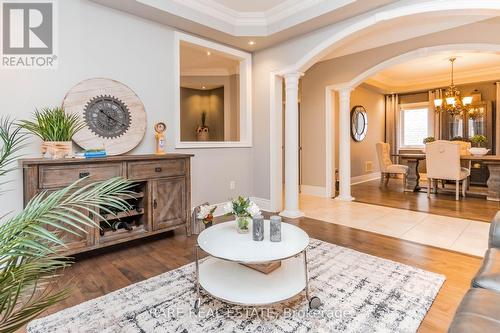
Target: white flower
x: 205, y: 210
x: 228, y: 208
x: 253, y: 210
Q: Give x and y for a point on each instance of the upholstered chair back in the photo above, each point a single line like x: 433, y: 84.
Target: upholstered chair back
x: 384, y: 155
x: 443, y: 160
x: 464, y: 147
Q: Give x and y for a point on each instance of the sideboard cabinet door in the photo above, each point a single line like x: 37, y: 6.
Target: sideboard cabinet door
x: 169, y: 202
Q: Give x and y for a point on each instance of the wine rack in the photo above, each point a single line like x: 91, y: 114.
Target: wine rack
x: 123, y: 224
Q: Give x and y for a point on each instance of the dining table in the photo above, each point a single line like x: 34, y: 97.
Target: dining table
x: 491, y: 161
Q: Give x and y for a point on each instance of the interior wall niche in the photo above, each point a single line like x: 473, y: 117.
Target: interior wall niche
x: 214, y: 95
x: 195, y: 102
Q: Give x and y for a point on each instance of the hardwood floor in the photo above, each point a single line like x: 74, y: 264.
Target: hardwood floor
x: 98, y: 273
x: 392, y: 195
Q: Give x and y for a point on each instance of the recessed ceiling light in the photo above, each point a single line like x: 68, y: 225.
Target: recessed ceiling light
x: 251, y: 42
x: 209, y: 53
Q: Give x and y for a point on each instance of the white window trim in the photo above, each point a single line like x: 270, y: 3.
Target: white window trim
x: 410, y: 106
x: 245, y: 94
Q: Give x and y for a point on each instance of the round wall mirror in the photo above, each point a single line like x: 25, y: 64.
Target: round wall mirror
x: 359, y: 123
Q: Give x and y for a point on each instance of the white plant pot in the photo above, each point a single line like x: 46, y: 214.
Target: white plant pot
x: 475, y: 151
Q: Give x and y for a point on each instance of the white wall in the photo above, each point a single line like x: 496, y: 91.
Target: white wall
x: 96, y: 41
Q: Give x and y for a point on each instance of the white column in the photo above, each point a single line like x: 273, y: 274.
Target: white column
x: 292, y: 146
x: 345, y: 145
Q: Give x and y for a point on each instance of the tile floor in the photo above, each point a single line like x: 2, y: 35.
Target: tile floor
x: 466, y: 236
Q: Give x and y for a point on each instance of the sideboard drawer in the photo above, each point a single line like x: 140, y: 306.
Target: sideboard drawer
x: 54, y: 176
x: 156, y: 169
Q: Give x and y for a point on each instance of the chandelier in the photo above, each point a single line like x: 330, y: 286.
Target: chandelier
x: 452, y: 103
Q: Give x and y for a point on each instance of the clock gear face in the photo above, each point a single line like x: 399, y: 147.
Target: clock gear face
x: 107, y: 116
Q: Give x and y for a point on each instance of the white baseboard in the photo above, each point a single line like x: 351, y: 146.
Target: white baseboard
x: 318, y: 191
x: 365, y: 178
x: 264, y: 204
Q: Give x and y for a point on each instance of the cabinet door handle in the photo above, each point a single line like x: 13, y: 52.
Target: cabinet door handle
x: 155, y: 204
x: 84, y: 174
x: 158, y: 169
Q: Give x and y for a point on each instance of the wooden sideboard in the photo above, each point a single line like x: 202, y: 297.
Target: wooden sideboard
x: 161, y: 200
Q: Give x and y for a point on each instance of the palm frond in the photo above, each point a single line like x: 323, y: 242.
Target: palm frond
x: 31, y: 246
x: 12, y: 140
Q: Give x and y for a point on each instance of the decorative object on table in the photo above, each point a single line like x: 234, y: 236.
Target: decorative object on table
x: 206, y: 215
x: 275, y: 228
x: 32, y: 246
x: 258, y: 228
x: 453, y: 104
x: 359, y: 123
x: 196, y: 225
x: 405, y: 301
x: 160, y: 129
x: 203, y: 132
x: 243, y: 209
x: 478, y: 140
x: 113, y: 114
x: 56, y: 128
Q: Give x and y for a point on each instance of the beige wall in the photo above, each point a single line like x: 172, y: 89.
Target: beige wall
x: 312, y: 120
x: 364, y: 151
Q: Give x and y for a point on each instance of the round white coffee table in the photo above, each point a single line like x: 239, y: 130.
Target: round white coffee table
x: 222, y: 276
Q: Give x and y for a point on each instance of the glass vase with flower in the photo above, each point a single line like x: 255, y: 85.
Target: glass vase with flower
x: 243, y: 209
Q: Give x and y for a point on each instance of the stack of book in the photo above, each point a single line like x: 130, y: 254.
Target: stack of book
x: 93, y: 153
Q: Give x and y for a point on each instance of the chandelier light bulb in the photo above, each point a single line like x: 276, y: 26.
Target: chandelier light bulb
x: 450, y: 101
x: 467, y: 100
x: 438, y: 103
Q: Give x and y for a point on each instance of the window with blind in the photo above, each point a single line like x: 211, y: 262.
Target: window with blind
x: 414, y: 128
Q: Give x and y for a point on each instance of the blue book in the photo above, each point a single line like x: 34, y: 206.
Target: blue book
x: 92, y: 154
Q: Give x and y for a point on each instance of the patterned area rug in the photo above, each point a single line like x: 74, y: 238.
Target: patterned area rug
x: 360, y: 292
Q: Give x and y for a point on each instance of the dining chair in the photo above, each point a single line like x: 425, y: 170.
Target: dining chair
x: 443, y: 163
x: 386, y: 166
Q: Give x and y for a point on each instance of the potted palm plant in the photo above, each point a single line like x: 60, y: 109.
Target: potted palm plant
x: 55, y: 128
x: 30, y: 252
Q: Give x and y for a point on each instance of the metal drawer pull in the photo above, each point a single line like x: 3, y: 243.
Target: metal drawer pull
x: 155, y: 204
x: 84, y: 174
x: 158, y: 169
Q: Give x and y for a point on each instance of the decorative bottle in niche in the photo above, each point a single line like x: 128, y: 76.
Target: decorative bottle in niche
x: 275, y: 229
x: 258, y: 228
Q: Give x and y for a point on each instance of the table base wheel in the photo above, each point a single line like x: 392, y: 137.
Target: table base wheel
x: 197, y: 304
x: 314, y: 303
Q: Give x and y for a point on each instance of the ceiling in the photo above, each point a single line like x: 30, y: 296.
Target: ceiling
x: 201, y: 61
x: 237, y: 22
x: 435, y: 71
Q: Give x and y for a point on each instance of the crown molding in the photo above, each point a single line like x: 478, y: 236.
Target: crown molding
x: 393, y: 85
x: 259, y: 24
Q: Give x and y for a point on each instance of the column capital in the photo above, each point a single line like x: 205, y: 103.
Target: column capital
x: 345, y: 93
x: 290, y: 76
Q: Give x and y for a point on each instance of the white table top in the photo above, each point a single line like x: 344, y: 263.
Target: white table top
x: 223, y: 241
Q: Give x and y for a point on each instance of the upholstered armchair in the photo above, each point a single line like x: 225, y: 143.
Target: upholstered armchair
x: 443, y: 162
x: 386, y: 166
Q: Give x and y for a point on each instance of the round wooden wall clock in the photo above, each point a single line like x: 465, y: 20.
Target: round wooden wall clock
x: 114, y: 115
